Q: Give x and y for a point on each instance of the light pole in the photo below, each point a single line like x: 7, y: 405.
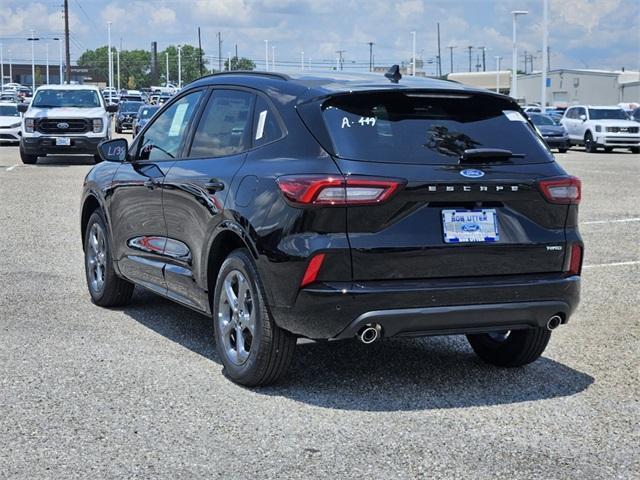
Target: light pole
x: 1, y: 67
x: 545, y: 66
x: 301, y: 59
x: 266, y: 55
x: 33, y: 39
x: 413, y: 54
x: 498, y: 58
x: 47, y: 57
x: 118, y: 66
x: 110, y: 61
x: 10, y: 67
x: 514, y: 53
x: 273, y: 58
x: 60, y: 53
x: 179, y: 67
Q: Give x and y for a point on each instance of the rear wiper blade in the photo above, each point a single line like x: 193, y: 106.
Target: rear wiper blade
x: 488, y: 155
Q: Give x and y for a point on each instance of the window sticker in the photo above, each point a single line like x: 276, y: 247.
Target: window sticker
x: 178, y: 118
x: 514, y: 116
x: 262, y: 118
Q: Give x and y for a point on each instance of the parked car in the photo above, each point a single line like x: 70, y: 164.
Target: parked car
x: 145, y: 113
x: 336, y: 207
x: 64, y: 120
x: 127, y: 113
x: 10, y: 96
x: 596, y: 127
x: 10, y: 122
x: 555, y: 135
x: 532, y: 109
x: 635, y: 115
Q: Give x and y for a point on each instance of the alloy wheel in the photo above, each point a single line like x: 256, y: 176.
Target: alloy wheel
x: 236, y: 317
x: 96, y: 258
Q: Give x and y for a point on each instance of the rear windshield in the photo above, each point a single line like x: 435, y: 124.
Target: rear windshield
x: 66, y: 98
x: 130, y: 107
x: 147, y: 112
x: 541, y: 120
x: 607, y: 114
x: 427, y: 128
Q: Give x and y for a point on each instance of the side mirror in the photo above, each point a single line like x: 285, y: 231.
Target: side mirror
x: 114, y: 150
x: 111, y: 108
x: 583, y: 118
x: 23, y: 107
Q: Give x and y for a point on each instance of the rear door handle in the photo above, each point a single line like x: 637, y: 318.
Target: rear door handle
x: 214, y: 185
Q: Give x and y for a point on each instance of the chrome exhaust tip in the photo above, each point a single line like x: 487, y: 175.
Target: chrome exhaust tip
x: 369, y: 333
x: 554, y: 322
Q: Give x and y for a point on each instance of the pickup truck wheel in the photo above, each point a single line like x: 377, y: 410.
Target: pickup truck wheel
x: 513, y: 348
x: 635, y: 149
x: 589, y: 144
x: 562, y: 150
x: 253, y: 349
x: 118, y: 130
x: 105, y: 287
x: 28, y: 159
x: 608, y: 149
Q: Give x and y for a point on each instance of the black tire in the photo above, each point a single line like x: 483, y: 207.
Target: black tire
x: 28, y: 159
x: 114, y: 291
x: 118, y: 130
x: 271, y: 348
x: 635, y: 149
x: 589, y: 144
x: 97, y: 158
x: 608, y: 149
x: 518, y: 348
x: 562, y: 150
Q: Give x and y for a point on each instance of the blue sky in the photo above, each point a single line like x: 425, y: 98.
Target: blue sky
x: 583, y: 33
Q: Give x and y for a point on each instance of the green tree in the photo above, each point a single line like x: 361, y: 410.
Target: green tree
x: 241, y: 63
x: 189, y: 60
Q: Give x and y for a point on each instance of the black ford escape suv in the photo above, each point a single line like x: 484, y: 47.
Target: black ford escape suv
x: 334, y: 206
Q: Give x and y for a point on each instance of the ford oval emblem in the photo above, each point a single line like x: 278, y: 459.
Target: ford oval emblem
x: 470, y: 227
x: 62, y: 125
x: 472, y: 173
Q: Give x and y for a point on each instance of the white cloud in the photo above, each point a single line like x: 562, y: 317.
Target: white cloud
x: 162, y: 16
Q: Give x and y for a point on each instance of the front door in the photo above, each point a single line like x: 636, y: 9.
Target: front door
x: 139, y: 229
x: 196, y: 189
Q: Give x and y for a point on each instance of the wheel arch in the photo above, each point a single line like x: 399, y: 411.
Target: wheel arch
x: 89, y: 205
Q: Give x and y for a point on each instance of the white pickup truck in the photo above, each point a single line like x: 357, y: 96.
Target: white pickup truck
x: 64, y: 120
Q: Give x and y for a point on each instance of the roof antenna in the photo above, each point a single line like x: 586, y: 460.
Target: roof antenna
x: 393, y: 74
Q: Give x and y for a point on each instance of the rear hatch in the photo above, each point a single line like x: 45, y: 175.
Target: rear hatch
x: 468, y: 202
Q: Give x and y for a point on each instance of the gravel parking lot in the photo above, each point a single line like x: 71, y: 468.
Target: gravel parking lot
x: 138, y: 392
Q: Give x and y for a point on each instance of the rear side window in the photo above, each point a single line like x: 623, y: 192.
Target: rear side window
x: 266, y: 127
x: 427, y: 127
x: 225, y: 125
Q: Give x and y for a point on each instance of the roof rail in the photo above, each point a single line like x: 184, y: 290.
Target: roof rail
x: 280, y: 76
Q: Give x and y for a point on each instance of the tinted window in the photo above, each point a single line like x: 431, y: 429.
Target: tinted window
x: 265, y: 123
x: 538, y: 119
x: 580, y: 111
x: 607, y: 114
x: 9, y: 111
x: 147, y: 112
x: 427, y: 128
x: 130, y: 107
x: 570, y: 113
x: 66, y: 98
x: 223, y: 129
x: 163, y: 138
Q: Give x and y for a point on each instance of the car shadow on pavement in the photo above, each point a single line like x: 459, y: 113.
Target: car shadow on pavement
x: 389, y: 375
x: 64, y: 161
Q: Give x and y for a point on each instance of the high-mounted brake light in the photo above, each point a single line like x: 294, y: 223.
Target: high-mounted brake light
x: 575, y: 259
x: 564, y: 190
x: 337, y: 190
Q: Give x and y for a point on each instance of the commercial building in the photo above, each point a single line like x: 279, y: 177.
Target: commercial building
x: 21, y: 73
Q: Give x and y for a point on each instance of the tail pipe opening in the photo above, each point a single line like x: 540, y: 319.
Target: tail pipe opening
x: 554, y: 322
x: 370, y: 333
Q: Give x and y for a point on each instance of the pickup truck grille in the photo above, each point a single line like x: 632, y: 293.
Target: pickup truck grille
x: 57, y: 126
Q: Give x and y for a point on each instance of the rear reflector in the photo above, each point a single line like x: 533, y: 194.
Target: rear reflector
x: 336, y: 190
x: 575, y: 261
x: 565, y: 190
x: 313, y: 268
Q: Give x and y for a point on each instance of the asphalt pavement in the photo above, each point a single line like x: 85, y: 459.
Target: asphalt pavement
x: 137, y: 392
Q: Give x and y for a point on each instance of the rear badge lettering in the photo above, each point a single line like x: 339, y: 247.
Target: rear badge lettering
x: 472, y: 188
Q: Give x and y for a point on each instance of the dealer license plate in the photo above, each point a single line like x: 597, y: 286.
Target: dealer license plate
x: 63, y: 141
x: 464, y: 226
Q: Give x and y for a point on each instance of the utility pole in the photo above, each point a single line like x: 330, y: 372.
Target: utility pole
x: 273, y: 58
x: 484, y: 52
x: 67, y: 52
x: 166, y: 79
x: 470, y: 50
x: 451, y: 57
x: 219, y: 51
x: 179, y: 66
x: 33, y: 62
x: 371, y: 44
x: 47, y: 57
x: 340, y: 58
x: 439, y: 57
x: 266, y: 55
x: 11, y: 67
x: 237, y: 57
x: 200, y: 51
x: 413, y: 55
x: 2, y: 67
x: 109, y: 59
x: 545, y: 50
x: 301, y: 59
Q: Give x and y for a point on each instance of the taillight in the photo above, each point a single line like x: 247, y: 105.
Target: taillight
x: 336, y: 190
x: 561, y: 189
x: 29, y: 124
x: 313, y: 268
x: 575, y: 259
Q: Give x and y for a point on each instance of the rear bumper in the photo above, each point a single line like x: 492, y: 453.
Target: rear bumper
x: 430, y: 307
x: 47, y: 145
x: 557, y: 142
